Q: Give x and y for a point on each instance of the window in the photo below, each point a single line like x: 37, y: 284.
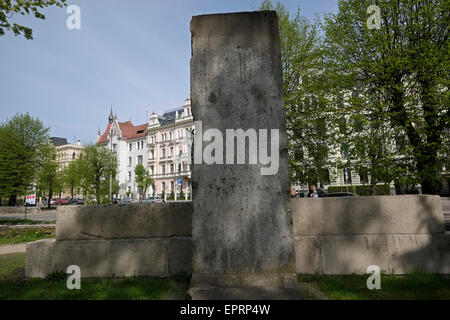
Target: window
x: 163, y: 187
x: 171, y: 151
x: 163, y: 169
x: 171, y: 168
x: 170, y: 136
x: 138, y: 145
x: 152, y: 154
x: 129, y: 161
x: 73, y: 156
x: 151, y: 170
x: 171, y: 186
x: 163, y: 153
x: 129, y: 176
x: 130, y: 147
x: 139, y: 160
x: 142, y: 144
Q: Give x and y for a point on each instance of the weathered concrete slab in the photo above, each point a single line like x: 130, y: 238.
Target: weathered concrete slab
x: 180, y: 256
x: 409, y: 214
x: 241, y: 220
x: 107, y: 258
x: 395, y: 254
x: 124, y: 221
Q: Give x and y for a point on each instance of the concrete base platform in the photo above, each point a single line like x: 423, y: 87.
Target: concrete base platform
x: 394, y: 254
x: 246, y: 287
x: 110, y: 258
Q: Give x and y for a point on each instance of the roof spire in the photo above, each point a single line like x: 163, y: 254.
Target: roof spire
x: 111, y: 116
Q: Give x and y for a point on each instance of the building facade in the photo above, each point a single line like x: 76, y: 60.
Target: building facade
x: 66, y: 153
x: 161, y: 146
x: 129, y: 142
x: 169, y: 152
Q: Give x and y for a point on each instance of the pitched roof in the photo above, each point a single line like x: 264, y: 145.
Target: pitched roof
x: 168, y: 117
x: 129, y: 131
x: 57, y: 141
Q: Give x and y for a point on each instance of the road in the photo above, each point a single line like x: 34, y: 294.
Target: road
x: 42, y: 216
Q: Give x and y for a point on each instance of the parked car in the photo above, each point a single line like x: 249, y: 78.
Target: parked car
x: 61, y: 202
x: 128, y: 200
x: 76, y: 201
x: 152, y: 200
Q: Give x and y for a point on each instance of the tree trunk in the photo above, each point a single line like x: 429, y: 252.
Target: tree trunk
x: 50, y: 194
x: 12, y: 200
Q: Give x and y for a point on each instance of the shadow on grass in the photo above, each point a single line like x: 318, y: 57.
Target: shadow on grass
x: 417, y: 285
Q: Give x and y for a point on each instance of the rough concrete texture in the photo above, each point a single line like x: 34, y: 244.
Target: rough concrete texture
x: 107, y: 258
x: 241, y: 220
x: 124, y: 221
x: 395, y: 254
x: 410, y: 214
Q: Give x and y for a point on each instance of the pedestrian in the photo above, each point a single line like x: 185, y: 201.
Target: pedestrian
x: 314, y: 192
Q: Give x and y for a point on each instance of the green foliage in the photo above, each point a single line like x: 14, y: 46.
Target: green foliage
x: 305, y: 90
x: 95, y: 166
x: 143, y: 179
x: 22, y: 143
x: 49, y: 176
x: 401, y: 71
x: 9, y: 8
x: 71, y: 176
x: 172, y: 196
x: 14, y: 235
x: 182, y: 195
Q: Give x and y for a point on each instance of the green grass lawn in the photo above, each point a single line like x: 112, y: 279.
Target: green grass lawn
x: 414, y: 286
x: 14, y: 236
x: 13, y: 285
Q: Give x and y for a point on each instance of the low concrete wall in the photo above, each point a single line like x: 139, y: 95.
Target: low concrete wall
x: 410, y: 214
x: 346, y: 235
x: 19, y: 209
x: 124, y: 240
x: 109, y: 258
x: 124, y: 221
x: 332, y: 236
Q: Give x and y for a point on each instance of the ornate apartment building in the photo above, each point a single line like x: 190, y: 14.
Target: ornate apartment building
x: 160, y: 146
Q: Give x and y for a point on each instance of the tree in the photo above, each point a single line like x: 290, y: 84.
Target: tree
x: 22, y: 139
x: 48, y: 178
x: 305, y: 92
x: 23, y: 7
x: 96, y: 165
x: 72, y: 176
x: 404, y: 63
x: 143, y: 179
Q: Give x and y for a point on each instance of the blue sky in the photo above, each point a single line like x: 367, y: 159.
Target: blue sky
x: 133, y: 55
